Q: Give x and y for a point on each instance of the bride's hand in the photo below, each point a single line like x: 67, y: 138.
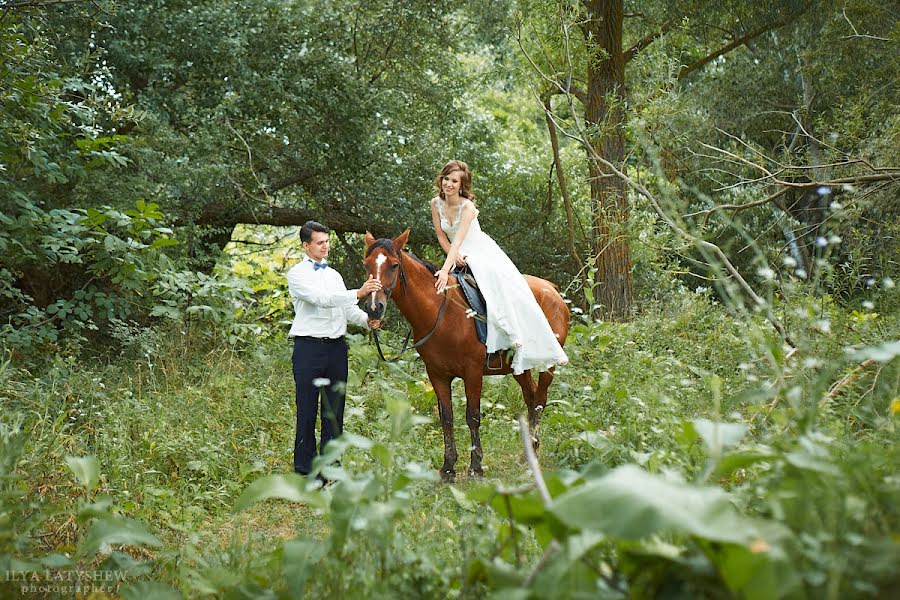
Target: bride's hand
x: 441, y: 281
x: 460, y: 261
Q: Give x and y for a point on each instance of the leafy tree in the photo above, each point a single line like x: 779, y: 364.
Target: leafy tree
x: 592, y: 69
x: 278, y: 112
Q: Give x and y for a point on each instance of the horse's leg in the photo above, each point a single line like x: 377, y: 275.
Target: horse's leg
x: 445, y: 410
x: 529, y: 394
x: 473, y: 417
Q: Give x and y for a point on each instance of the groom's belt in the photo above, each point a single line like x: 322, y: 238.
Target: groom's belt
x: 319, y: 340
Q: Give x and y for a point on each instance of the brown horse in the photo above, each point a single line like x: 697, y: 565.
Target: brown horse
x: 452, y: 349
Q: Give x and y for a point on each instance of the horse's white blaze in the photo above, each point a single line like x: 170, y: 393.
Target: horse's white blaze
x: 379, y: 260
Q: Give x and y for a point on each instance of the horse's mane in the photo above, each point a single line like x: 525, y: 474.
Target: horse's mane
x: 432, y: 268
x: 388, y: 245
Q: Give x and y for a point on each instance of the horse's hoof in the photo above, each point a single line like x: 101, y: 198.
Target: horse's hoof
x: 448, y: 476
x: 479, y: 472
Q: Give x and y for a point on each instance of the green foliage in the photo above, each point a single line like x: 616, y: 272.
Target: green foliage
x: 115, y: 271
x: 146, y: 417
x: 683, y: 455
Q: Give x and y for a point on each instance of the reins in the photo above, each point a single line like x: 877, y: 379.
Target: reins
x: 401, y: 277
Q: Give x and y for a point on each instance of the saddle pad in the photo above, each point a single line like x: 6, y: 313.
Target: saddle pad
x: 473, y: 296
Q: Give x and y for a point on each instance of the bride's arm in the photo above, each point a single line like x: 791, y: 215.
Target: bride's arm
x: 468, y: 215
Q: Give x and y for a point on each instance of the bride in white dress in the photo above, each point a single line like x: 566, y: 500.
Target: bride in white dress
x: 515, y: 321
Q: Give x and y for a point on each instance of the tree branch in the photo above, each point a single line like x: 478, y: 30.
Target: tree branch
x: 649, y: 39
x: 720, y: 255
x: 37, y: 3
x: 849, y: 378
x: 229, y: 215
x: 856, y: 33
x: 561, y: 178
x: 688, y: 69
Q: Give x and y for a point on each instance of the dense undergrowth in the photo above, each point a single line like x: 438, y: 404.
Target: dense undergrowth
x: 687, y: 453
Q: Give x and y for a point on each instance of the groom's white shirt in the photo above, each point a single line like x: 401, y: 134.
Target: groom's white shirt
x: 322, y: 303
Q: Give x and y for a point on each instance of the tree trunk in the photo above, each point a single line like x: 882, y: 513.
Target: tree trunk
x: 604, y: 114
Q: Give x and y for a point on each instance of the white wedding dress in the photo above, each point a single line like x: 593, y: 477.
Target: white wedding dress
x: 515, y: 321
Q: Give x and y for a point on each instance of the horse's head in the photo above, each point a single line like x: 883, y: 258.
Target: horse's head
x: 384, y: 262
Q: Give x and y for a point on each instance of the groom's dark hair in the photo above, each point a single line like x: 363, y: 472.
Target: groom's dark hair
x: 307, y: 230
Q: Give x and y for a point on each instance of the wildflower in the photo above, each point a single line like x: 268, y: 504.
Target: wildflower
x: 766, y: 273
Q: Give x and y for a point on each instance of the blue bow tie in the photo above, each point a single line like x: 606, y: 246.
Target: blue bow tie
x: 321, y: 265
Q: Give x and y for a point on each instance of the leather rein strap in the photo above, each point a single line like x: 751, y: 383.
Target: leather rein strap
x: 401, y: 276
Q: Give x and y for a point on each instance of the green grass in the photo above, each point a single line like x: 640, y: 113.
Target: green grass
x: 180, y: 432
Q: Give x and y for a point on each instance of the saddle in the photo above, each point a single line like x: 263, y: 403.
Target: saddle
x: 472, y: 293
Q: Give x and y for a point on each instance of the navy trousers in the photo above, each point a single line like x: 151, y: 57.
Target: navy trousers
x: 319, y: 366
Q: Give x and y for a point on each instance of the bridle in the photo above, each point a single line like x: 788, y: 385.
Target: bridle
x: 401, y: 278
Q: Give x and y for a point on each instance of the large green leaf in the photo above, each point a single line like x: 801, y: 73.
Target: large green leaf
x: 718, y: 436
x: 118, y: 531
x: 86, y: 470
x: 300, y: 556
x: 289, y: 487
x: 740, y: 459
x: 565, y: 569
x: 751, y: 573
x: 631, y: 503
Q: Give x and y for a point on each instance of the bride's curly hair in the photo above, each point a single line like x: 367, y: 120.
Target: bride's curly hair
x: 465, y: 183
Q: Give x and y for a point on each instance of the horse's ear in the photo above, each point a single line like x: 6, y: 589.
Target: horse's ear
x: 370, y: 239
x: 400, y: 241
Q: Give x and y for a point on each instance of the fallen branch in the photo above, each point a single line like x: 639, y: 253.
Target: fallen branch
x: 531, y: 459
x: 849, y: 378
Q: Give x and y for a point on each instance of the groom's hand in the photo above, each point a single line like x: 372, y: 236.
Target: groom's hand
x: 374, y: 323
x: 371, y: 285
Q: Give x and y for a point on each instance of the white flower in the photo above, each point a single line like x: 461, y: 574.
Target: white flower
x: 868, y: 305
x: 790, y: 261
x: 821, y: 242
x: 823, y: 190
x: 766, y: 273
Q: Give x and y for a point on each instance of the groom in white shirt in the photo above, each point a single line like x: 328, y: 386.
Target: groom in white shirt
x: 322, y: 307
